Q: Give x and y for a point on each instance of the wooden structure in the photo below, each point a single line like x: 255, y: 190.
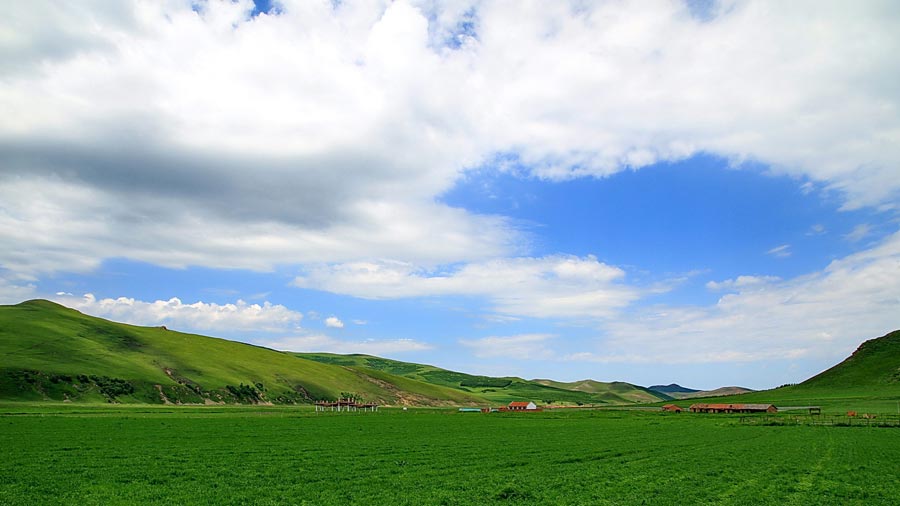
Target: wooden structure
x: 671, y: 408
x: 345, y: 405
x: 733, y: 408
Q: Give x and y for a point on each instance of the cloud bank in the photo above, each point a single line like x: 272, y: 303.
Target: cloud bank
x: 204, y: 136
x: 239, y: 316
x: 323, y: 137
x: 552, y: 286
x: 822, y: 314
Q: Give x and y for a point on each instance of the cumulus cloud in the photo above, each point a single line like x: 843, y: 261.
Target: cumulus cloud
x: 321, y: 343
x: 334, y: 322
x: 520, y: 347
x: 154, y: 131
x: 823, y: 314
x: 196, y: 316
x: 552, y: 286
x: 38, y: 216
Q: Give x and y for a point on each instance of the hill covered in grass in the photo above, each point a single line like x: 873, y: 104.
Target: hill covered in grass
x: 869, y: 379
x: 875, y: 364
x: 50, y: 352
x: 499, y: 390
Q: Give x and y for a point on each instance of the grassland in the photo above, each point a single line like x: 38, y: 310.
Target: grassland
x: 49, y: 352
x: 91, y: 454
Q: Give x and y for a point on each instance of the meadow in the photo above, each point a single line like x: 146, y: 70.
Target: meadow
x: 93, y: 454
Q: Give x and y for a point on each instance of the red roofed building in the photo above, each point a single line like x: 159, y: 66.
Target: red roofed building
x: 522, y: 406
x: 733, y: 408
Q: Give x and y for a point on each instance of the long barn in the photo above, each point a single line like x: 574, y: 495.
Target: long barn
x: 733, y: 408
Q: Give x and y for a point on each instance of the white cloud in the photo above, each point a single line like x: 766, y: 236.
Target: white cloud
x: 740, y: 282
x: 197, y: 316
x: 782, y: 251
x: 321, y: 343
x: 334, y: 322
x: 817, y: 229
x: 13, y: 291
x: 520, y: 347
x: 149, y: 131
x: 858, y: 233
x: 37, y: 216
x: 823, y: 314
x: 552, y: 286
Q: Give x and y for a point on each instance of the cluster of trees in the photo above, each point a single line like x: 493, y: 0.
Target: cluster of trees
x: 247, y: 393
x: 353, y: 396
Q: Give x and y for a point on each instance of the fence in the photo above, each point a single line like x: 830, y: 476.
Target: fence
x: 863, y: 420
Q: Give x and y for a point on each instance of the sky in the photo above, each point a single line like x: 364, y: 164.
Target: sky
x: 699, y: 192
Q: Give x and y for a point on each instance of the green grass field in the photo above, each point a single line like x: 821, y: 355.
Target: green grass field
x: 83, y: 454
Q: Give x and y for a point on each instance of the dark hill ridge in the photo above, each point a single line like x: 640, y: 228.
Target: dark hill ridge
x: 672, y: 388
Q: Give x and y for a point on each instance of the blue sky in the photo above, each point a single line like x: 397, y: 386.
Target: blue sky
x: 702, y: 192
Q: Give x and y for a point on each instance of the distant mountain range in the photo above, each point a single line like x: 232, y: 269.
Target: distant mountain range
x: 679, y: 392
x: 498, y: 390
x: 50, y: 352
x: 673, y: 388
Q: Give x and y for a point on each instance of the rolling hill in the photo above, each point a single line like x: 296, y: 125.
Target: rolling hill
x: 676, y: 391
x: 876, y: 363
x: 50, y: 352
x: 869, y: 379
x: 505, y: 389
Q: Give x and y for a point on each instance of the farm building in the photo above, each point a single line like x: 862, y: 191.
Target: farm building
x: 522, y: 406
x: 733, y: 408
x: 671, y: 408
x: 470, y: 410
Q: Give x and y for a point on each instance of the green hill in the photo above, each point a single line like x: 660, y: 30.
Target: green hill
x: 50, y: 352
x: 875, y: 364
x: 498, y: 390
x: 867, y: 380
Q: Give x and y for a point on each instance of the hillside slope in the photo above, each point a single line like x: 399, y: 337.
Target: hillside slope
x: 868, y: 379
x: 876, y: 363
x: 50, y: 352
x: 672, y: 388
x: 499, y: 390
